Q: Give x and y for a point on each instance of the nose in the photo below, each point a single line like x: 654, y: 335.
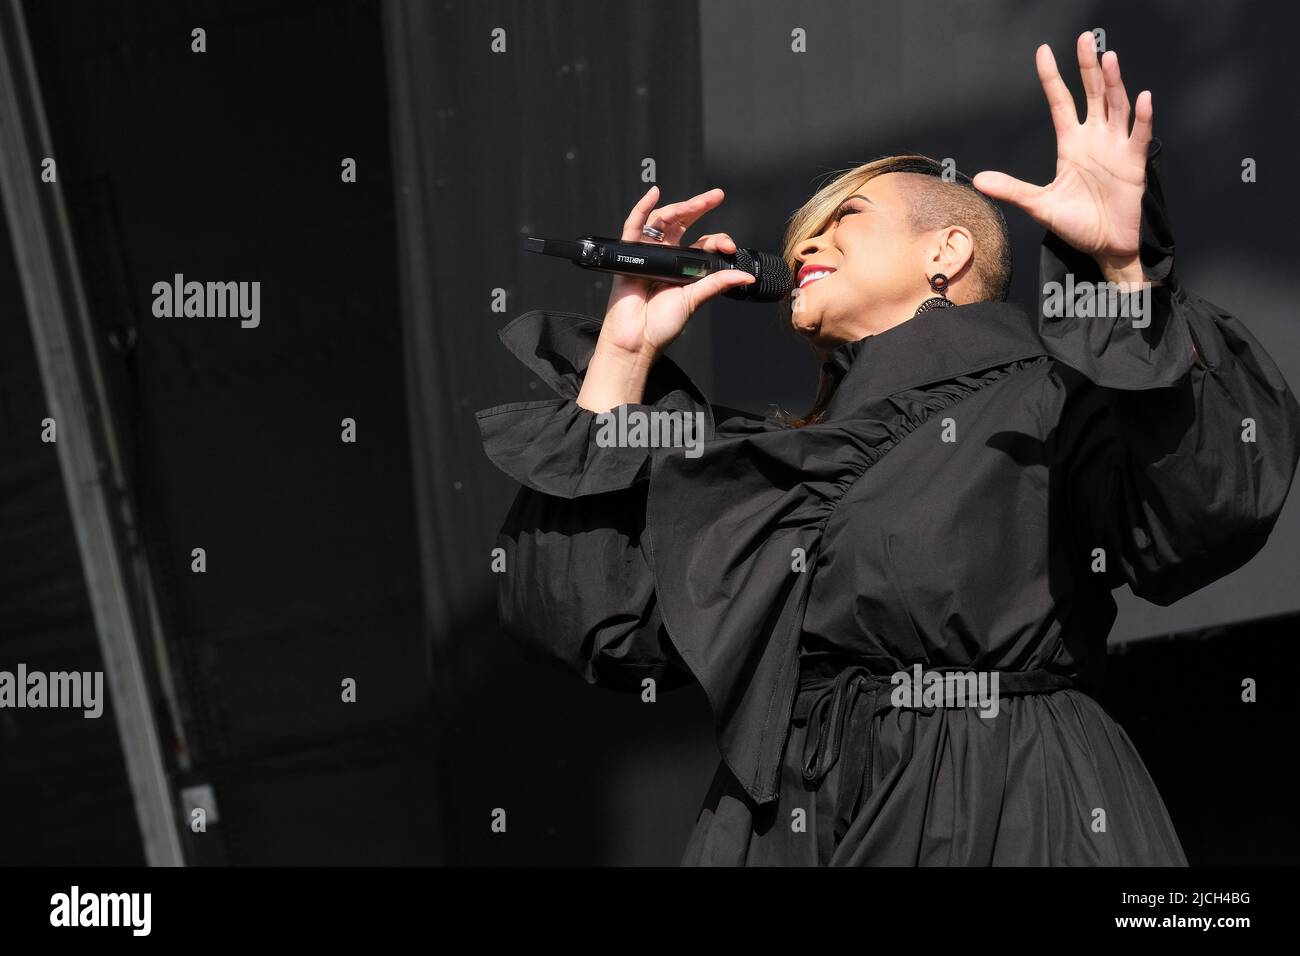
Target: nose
x: 806, y: 249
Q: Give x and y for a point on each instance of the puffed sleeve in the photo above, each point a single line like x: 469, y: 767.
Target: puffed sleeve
x: 1180, y: 446
x: 577, y: 590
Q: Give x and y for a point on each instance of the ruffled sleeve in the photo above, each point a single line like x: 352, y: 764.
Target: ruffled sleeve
x: 551, y: 445
x: 576, y: 590
x: 1179, y: 460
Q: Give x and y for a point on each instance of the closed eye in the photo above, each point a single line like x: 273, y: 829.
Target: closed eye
x: 843, y: 211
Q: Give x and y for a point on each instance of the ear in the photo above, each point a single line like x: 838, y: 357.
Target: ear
x: 952, y: 251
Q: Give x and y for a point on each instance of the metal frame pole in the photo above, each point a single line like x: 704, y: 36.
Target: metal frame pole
x: 86, y: 445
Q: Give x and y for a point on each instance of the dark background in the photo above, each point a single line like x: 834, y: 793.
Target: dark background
x: 371, y: 561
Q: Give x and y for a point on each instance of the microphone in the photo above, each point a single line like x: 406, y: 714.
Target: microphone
x: 676, y: 265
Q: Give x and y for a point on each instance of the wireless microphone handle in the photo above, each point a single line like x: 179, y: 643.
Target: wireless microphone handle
x: 675, y: 265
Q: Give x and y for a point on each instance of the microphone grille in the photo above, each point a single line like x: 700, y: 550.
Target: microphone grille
x: 774, y: 279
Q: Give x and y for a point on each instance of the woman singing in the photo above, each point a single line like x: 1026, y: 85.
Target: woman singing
x: 970, y: 485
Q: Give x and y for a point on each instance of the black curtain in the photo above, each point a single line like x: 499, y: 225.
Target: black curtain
x: 547, y: 138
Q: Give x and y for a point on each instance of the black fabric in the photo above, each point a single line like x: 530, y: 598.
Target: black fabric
x: 831, y: 689
x: 970, y: 553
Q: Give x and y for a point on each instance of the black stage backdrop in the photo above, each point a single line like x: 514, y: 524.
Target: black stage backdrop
x: 547, y: 139
x: 381, y: 300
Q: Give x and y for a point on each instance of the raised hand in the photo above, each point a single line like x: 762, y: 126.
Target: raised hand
x: 1095, y: 202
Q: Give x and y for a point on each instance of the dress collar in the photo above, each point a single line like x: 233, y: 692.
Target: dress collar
x: 931, y: 347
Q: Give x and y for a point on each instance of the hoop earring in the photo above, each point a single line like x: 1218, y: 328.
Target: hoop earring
x: 939, y: 283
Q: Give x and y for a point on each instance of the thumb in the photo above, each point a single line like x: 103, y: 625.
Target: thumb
x: 1007, y: 188
x: 697, y: 293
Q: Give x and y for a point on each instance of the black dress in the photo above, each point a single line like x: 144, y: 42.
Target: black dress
x: 980, y: 484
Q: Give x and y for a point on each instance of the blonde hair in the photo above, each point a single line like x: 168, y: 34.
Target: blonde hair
x: 934, y: 201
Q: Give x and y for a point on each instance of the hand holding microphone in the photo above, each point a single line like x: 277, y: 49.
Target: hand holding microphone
x: 644, y: 314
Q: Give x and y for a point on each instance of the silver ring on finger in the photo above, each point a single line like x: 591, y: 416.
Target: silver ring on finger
x: 650, y: 232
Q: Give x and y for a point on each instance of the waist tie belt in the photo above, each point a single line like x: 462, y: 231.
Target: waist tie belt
x: 837, y: 699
